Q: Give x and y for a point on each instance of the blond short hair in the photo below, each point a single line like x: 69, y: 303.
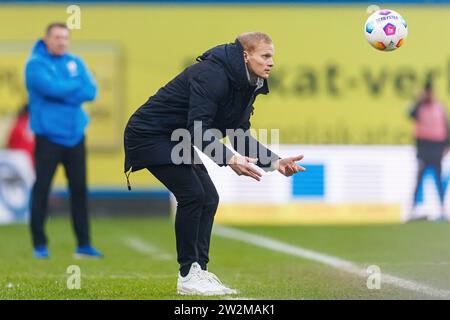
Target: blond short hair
x: 250, y: 40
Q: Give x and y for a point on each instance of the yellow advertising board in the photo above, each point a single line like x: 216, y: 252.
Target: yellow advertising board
x: 308, y: 214
x: 328, y: 85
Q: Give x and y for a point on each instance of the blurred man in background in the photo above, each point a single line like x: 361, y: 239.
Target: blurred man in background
x: 216, y: 93
x: 432, y: 142
x: 58, y: 83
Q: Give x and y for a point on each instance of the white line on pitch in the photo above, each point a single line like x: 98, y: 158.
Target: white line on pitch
x: 141, y: 246
x: 329, y: 260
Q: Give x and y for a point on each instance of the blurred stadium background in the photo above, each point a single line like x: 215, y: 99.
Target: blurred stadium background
x: 335, y: 99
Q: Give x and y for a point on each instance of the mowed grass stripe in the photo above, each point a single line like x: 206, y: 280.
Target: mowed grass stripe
x: 332, y: 261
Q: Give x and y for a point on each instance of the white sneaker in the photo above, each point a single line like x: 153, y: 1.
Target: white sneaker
x: 215, y: 279
x: 197, y: 282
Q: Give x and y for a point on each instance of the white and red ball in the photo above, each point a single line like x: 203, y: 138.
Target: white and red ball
x: 386, y: 30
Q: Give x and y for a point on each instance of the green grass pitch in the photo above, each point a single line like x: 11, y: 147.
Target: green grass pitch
x: 140, y: 261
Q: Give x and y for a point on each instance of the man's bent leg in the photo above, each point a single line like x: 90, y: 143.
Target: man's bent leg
x: 208, y: 213
x: 184, y: 183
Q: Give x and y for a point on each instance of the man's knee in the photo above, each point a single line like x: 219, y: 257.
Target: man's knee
x: 194, y: 197
x: 212, y: 199
x: 78, y: 188
x: 41, y: 186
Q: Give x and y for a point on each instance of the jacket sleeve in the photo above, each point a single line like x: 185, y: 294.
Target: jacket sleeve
x: 253, y: 148
x: 38, y: 77
x: 206, y: 90
x: 447, y: 124
x: 88, y: 89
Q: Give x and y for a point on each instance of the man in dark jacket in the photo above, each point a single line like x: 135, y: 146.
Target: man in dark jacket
x: 205, y: 101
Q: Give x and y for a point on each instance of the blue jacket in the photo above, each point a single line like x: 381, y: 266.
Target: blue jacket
x: 57, y: 86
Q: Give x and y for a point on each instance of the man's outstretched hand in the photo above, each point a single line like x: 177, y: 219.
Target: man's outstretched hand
x: 244, y: 166
x: 288, y: 166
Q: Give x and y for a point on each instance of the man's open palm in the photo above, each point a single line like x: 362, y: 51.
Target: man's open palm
x: 288, y: 166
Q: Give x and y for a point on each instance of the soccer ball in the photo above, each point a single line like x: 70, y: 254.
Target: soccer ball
x: 386, y: 30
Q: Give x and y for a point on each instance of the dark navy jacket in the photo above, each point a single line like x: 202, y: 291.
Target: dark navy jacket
x: 215, y: 91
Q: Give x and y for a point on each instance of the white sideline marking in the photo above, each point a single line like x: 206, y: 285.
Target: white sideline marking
x: 146, y: 248
x: 129, y: 276
x: 332, y: 261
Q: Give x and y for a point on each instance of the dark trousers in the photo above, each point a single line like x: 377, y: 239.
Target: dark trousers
x: 437, y: 168
x: 197, y: 204
x: 48, y: 155
x: 429, y: 155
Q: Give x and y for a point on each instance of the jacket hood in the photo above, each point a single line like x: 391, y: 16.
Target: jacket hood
x: 40, y: 49
x: 231, y: 57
